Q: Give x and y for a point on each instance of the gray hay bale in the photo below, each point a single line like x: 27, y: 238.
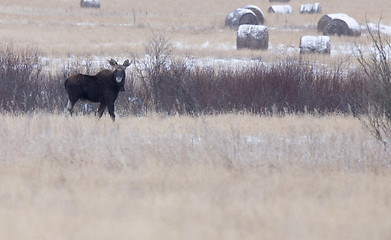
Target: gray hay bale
x: 323, y: 21
x: 257, y: 11
x: 239, y: 17
x: 340, y: 27
x: 281, y: 9
x: 90, y: 3
x: 252, y: 37
x: 339, y: 24
x: 310, y: 8
x: 315, y: 44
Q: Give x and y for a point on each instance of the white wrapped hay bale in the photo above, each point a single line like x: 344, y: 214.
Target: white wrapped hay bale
x: 315, y: 44
x: 310, y: 8
x: 338, y: 24
x: 279, y: 0
x: 252, y: 37
x: 281, y: 9
x: 90, y: 3
x: 257, y: 11
x: 239, y: 17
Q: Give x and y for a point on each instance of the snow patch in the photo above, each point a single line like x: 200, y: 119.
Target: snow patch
x: 205, y: 45
x: 384, y: 29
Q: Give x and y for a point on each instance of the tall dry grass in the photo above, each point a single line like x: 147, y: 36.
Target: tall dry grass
x: 208, y: 177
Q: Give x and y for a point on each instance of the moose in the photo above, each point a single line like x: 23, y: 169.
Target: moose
x: 104, y: 87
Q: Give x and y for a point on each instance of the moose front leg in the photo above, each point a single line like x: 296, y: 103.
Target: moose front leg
x: 110, y: 107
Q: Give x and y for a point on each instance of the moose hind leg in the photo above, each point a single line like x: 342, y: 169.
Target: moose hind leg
x: 101, y: 109
x: 70, y: 106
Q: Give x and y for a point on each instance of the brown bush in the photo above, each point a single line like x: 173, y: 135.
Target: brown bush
x: 172, y: 86
x: 377, y: 69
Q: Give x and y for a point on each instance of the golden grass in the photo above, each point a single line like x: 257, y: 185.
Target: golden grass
x: 62, y: 28
x: 208, y: 177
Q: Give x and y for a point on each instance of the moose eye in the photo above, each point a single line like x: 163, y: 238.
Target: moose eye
x: 118, y: 79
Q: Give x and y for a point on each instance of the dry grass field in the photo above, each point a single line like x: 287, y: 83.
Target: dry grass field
x: 62, y: 28
x: 231, y: 176
x: 208, y: 177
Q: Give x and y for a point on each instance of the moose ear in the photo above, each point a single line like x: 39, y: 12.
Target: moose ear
x: 126, y: 63
x: 113, y: 63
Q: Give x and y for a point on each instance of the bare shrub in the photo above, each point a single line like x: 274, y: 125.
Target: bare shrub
x: 377, y: 68
x: 26, y: 87
x: 161, y: 83
x: 152, y: 69
x: 288, y: 86
x: 19, y: 73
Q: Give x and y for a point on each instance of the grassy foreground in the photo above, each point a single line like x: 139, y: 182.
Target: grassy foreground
x: 210, y: 177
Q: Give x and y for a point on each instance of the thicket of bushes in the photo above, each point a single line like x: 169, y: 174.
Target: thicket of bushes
x: 160, y: 83
x: 174, y: 87
x: 291, y: 86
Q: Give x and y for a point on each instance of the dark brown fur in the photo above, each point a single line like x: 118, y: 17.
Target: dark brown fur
x: 102, y: 88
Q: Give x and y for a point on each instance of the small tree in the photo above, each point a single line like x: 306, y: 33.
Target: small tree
x: 149, y: 69
x: 377, y: 67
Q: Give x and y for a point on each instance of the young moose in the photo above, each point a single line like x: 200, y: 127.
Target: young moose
x: 103, y: 87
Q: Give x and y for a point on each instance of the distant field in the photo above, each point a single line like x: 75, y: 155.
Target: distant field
x: 193, y: 176
x: 209, y: 177
x: 62, y: 28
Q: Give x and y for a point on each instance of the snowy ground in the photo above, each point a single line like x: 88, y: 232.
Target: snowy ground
x: 96, y: 62
x: 347, y: 49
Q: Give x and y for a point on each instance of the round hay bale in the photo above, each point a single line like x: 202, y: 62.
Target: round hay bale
x: 252, y: 37
x: 323, y: 21
x: 90, y: 3
x: 281, y: 9
x: 310, y: 8
x: 315, y: 44
x: 340, y: 24
x: 239, y: 17
x: 257, y: 11
x: 336, y: 27
x: 279, y: 0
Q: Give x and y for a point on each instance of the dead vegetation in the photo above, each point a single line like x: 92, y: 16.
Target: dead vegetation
x: 266, y: 152
x: 187, y: 177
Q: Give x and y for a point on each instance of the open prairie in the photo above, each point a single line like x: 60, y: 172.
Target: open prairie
x: 208, y: 177
x: 204, y: 176
x: 119, y: 28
